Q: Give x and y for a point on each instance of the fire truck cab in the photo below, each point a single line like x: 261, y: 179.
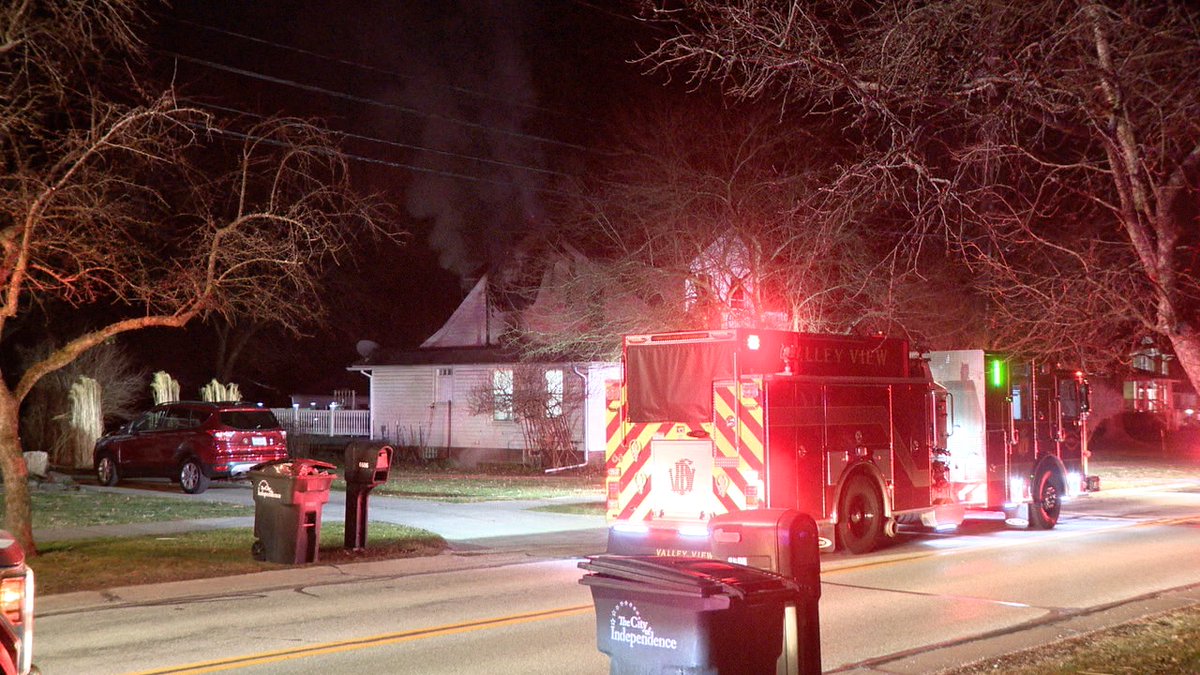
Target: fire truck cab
x: 855, y: 431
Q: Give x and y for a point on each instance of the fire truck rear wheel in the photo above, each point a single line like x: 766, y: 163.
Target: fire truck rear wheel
x: 1047, y: 500
x: 861, y: 526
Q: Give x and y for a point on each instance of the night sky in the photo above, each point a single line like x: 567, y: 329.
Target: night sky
x: 460, y: 113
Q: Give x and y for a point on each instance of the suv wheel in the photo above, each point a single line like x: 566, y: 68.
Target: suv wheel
x: 106, y: 471
x: 192, y: 478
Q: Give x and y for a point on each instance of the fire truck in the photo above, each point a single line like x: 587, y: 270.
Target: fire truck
x: 857, y: 432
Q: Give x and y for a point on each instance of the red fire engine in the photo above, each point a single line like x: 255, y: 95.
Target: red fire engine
x: 855, y: 431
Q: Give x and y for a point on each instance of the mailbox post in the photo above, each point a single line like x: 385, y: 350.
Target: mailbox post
x: 367, y: 465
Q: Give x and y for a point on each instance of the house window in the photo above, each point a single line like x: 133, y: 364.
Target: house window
x: 502, y: 394
x: 554, y: 392
x: 443, y: 386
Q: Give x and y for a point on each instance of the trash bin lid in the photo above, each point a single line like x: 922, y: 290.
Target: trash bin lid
x: 701, y: 576
x: 294, y: 467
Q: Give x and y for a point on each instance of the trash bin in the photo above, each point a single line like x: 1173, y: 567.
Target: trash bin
x: 686, y: 615
x: 786, y: 542
x: 288, y: 497
x: 367, y: 465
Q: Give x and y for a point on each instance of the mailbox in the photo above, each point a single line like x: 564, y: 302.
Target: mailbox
x: 367, y: 465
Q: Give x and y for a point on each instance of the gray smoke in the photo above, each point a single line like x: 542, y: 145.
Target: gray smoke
x: 473, y: 87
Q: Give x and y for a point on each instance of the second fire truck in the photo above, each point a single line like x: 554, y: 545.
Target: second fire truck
x: 854, y: 431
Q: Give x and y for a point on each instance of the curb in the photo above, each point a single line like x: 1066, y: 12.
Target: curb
x: 317, y: 574
x: 1054, y: 628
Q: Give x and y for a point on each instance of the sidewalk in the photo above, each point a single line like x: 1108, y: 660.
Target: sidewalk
x: 462, y: 525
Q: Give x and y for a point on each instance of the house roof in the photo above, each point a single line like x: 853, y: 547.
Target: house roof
x: 470, y: 336
x: 475, y: 323
x: 440, y: 356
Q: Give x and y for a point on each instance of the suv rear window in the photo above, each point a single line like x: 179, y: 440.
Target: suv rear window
x: 248, y: 420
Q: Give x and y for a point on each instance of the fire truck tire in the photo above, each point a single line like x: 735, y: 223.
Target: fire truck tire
x: 1047, y: 500
x: 861, y: 527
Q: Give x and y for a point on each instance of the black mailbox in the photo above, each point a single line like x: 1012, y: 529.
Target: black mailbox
x: 367, y: 462
x: 786, y: 542
x: 367, y: 465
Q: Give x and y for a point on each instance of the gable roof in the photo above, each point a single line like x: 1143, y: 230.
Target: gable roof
x: 476, y: 323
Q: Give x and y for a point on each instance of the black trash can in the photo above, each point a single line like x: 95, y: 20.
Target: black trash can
x: 786, y: 542
x: 288, y: 497
x: 686, y: 615
x: 367, y: 465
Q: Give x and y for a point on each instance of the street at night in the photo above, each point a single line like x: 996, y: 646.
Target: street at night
x: 934, y: 601
x: 611, y: 310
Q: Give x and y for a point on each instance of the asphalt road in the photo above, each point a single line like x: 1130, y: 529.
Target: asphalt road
x: 930, y: 601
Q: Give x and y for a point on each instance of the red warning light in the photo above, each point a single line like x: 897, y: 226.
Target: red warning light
x: 752, y: 342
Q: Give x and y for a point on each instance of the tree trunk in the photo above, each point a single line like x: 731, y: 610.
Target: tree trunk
x: 1186, y: 346
x: 18, y: 515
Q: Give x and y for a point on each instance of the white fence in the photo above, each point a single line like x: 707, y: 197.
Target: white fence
x: 325, y: 422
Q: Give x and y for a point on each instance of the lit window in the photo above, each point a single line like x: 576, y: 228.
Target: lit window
x: 554, y: 392
x: 502, y: 394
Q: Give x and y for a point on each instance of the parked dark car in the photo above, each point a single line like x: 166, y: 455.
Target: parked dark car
x: 191, y: 443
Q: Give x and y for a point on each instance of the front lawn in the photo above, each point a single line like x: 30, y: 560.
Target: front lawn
x: 94, y: 564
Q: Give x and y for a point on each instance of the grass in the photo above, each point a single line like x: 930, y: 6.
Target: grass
x: 595, y: 508
x: 78, y: 508
x: 95, y: 564
x: 496, y: 483
x: 1161, y: 643
x: 1118, y: 471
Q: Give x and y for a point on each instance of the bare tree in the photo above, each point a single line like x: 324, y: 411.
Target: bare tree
x: 1054, y: 144
x: 715, y: 218
x: 127, y: 208
x: 545, y: 402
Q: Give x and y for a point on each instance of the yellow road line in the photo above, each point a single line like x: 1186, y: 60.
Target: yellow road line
x: 264, y: 658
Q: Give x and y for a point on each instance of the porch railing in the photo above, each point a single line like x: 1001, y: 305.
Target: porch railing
x: 325, y: 422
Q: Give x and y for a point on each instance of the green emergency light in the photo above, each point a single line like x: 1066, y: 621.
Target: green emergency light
x: 997, y: 373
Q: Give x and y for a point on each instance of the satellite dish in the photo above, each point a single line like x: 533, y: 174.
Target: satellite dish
x: 366, y: 348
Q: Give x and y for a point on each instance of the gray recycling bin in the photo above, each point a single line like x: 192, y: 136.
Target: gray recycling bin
x: 288, y: 497
x: 686, y: 615
x: 367, y: 465
x: 786, y: 542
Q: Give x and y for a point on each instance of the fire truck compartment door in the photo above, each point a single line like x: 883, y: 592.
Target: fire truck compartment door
x: 681, y: 472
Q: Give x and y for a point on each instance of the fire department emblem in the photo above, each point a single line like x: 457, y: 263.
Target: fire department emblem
x: 683, y: 477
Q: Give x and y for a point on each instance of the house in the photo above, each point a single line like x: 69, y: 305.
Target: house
x: 464, y: 396
x: 1155, y: 387
x: 724, y: 288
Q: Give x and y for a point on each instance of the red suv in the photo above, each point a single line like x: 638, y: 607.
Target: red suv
x: 191, y: 443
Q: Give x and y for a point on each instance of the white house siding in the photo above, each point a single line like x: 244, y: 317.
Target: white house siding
x: 474, y: 433
x: 400, y: 404
x: 407, y: 409
x: 410, y: 406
